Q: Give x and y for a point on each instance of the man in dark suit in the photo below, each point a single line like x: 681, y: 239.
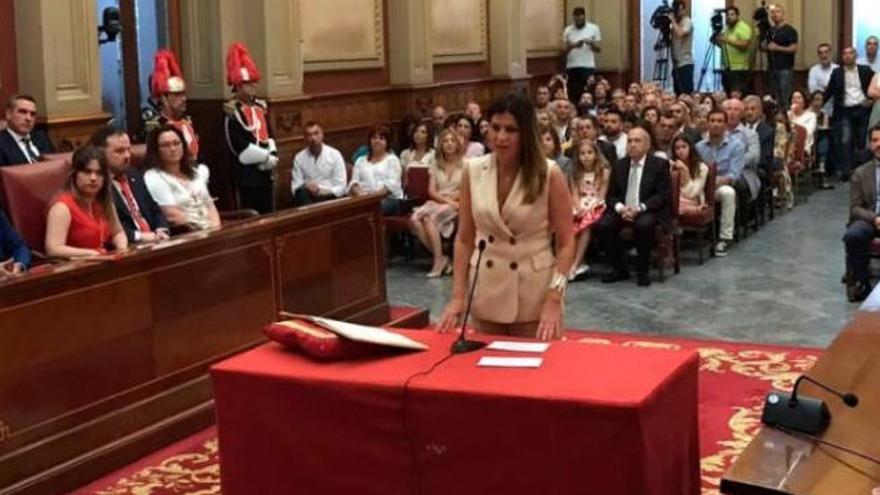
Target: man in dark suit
x: 755, y: 121
x: 638, y: 197
x: 587, y: 129
x: 864, y: 222
x: 19, y: 142
x: 140, y: 216
x: 15, y: 255
x: 848, y: 90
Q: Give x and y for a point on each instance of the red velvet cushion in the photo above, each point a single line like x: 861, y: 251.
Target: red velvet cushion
x: 315, y: 341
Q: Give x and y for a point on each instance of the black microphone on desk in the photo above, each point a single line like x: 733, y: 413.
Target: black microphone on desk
x: 804, y: 414
x: 462, y: 344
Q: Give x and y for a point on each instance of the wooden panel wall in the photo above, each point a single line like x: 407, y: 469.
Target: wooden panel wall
x: 8, y: 63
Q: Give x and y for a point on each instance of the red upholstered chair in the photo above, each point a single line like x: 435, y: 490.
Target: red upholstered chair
x: 416, y: 193
x: 702, y: 224
x: 28, y: 190
x: 52, y: 157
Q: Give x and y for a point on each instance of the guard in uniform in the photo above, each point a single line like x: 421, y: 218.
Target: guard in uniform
x: 248, y: 135
x: 168, y: 91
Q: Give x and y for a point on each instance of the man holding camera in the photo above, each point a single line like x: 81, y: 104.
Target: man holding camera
x: 682, y: 48
x: 734, y: 43
x: 781, y: 47
x: 581, y: 41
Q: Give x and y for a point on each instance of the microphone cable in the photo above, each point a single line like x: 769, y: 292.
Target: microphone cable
x: 826, y: 443
x: 403, y: 410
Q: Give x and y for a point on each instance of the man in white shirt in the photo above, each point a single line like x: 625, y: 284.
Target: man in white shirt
x: 19, y: 142
x: 820, y: 74
x: 581, y: 43
x: 614, y: 131
x: 871, y: 59
x: 318, y: 170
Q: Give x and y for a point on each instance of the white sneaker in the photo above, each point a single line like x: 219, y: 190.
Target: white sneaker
x: 722, y: 249
x: 582, y: 270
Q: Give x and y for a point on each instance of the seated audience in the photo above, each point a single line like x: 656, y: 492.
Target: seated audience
x: 542, y: 97
x: 435, y: 220
x: 379, y: 172
x: 82, y: 220
x: 783, y: 149
x: 802, y: 115
x: 735, y: 110
x: 15, y: 255
x: 563, y: 113
x: 473, y: 112
x: 483, y: 128
x: 20, y: 143
x: 465, y: 129
x: 587, y: 129
x: 588, y: 181
x: 692, y: 173
x: 864, y: 222
x: 664, y: 131
x: 729, y: 157
x: 681, y: 111
x: 179, y: 187
x: 438, y: 118
x: 755, y: 121
x: 140, y: 216
x: 544, y: 118
x: 651, y: 115
x: 638, y: 194
x: 318, y: 172
x: 614, y: 132
x: 552, y: 148
x: 421, y: 152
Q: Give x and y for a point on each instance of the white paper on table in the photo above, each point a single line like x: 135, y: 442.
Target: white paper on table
x: 505, y: 345
x: 510, y: 362
x: 372, y: 335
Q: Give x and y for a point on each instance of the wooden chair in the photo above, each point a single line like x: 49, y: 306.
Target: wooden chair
x: 703, y: 224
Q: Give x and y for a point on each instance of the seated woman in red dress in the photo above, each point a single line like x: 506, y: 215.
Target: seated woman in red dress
x: 82, y: 220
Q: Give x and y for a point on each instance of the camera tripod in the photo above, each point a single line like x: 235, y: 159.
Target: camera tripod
x: 710, y: 62
x: 662, y: 58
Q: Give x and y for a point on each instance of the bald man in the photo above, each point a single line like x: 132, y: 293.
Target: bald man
x: 638, y: 197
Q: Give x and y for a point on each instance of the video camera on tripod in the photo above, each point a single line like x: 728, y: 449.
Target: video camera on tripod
x: 660, y: 20
x: 717, y: 22
x: 762, y: 21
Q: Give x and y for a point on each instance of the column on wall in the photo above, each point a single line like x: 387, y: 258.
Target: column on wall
x: 409, y: 31
x: 57, y: 54
x: 507, y: 50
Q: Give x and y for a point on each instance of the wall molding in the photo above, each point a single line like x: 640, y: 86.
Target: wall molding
x: 478, y: 50
x: 371, y: 58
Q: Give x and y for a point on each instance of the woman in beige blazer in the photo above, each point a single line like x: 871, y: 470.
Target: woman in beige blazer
x: 515, y: 200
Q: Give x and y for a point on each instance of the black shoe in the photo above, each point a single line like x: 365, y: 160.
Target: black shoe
x: 844, y: 178
x: 644, y: 280
x: 615, y: 276
x: 858, y: 291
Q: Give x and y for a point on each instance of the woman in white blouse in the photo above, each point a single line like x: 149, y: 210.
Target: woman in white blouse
x: 692, y: 174
x: 379, y: 172
x: 802, y: 115
x: 178, y: 187
x: 421, y: 153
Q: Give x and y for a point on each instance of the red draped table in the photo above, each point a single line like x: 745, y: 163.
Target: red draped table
x: 591, y: 420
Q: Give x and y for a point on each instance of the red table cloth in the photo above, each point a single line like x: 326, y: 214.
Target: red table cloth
x: 591, y: 420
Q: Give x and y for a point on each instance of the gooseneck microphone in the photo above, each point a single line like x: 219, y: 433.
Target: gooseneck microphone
x: 462, y: 344
x: 801, y: 413
x: 850, y: 399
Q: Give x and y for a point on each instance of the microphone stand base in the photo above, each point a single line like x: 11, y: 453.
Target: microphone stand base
x: 462, y: 346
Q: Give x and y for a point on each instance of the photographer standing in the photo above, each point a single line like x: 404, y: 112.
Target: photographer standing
x: 734, y: 43
x: 781, y: 48
x: 581, y: 41
x: 682, y: 49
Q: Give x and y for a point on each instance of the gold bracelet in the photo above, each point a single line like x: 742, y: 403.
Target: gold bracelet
x: 558, y: 283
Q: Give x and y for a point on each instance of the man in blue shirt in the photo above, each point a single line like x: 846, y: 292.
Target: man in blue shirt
x: 729, y: 156
x: 15, y: 255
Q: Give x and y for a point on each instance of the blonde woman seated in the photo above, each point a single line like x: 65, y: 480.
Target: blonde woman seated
x: 435, y: 220
x: 692, y: 173
x: 82, y: 220
x: 179, y: 188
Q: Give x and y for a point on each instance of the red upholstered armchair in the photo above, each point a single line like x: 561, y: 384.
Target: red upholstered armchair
x: 28, y: 189
x: 798, y: 167
x: 703, y: 223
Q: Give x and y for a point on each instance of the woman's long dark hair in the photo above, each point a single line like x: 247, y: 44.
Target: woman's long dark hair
x: 79, y: 163
x: 532, y: 164
x: 154, y: 160
x: 693, y: 161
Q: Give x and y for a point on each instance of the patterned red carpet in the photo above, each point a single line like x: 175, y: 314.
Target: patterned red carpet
x: 733, y: 381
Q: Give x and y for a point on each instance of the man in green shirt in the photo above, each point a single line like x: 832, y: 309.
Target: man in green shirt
x: 734, y: 43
